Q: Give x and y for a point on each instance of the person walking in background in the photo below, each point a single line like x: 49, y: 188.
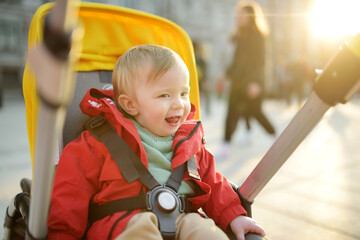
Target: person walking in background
x: 246, y: 73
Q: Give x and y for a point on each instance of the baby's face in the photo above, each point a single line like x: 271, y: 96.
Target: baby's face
x: 163, y: 104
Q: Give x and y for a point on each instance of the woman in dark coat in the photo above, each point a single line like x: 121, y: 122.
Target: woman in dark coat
x: 246, y: 72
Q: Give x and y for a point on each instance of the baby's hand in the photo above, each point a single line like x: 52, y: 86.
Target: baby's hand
x: 242, y: 225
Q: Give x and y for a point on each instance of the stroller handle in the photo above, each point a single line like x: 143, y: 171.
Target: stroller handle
x: 50, y: 61
x: 300, y: 126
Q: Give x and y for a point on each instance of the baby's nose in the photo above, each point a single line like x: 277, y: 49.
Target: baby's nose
x: 177, y: 103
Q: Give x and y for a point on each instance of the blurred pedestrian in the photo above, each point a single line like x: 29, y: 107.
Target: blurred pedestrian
x: 246, y: 73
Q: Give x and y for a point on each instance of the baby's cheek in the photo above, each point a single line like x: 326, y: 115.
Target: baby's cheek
x: 188, y: 108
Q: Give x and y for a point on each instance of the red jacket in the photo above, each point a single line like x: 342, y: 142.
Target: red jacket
x: 87, y: 172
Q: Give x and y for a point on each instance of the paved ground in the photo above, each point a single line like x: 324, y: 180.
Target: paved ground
x: 314, y: 196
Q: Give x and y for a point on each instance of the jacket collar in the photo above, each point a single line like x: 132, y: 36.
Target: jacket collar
x: 187, y: 140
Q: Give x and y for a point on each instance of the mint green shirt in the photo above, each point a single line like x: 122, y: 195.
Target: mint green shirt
x: 159, y: 153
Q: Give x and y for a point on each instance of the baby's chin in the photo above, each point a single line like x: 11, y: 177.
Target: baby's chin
x: 166, y: 133
x: 161, y: 133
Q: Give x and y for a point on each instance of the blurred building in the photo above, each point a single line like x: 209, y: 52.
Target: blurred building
x: 15, y: 18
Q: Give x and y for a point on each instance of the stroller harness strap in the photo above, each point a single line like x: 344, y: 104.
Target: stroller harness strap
x: 163, y: 200
x: 127, y: 204
x: 129, y: 164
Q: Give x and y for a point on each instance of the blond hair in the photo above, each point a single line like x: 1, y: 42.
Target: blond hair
x: 256, y: 14
x: 127, y: 69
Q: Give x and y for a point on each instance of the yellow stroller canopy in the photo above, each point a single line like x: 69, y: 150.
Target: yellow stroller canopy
x: 109, y: 31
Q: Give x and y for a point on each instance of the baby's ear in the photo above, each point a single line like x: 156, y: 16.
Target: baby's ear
x: 128, y: 104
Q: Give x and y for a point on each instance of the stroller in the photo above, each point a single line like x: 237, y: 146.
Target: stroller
x: 108, y: 32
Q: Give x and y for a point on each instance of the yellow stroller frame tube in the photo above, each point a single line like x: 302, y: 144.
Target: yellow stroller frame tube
x: 339, y: 81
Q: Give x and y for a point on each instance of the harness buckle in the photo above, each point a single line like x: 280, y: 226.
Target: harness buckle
x: 166, y: 204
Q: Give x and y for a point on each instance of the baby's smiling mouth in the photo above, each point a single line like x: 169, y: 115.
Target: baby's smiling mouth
x: 173, y: 119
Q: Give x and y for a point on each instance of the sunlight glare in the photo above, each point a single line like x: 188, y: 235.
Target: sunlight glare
x: 335, y: 18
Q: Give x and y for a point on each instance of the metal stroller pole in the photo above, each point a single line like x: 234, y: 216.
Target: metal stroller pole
x: 300, y: 126
x: 51, y: 62
x: 339, y: 81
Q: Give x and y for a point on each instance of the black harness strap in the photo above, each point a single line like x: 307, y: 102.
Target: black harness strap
x: 125, y: 204
x: 129, y: 164
x: 145, y: 176
x: 176, y: 177
x: 98, y: 212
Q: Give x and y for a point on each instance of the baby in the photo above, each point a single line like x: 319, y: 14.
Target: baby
x: 151, y: 111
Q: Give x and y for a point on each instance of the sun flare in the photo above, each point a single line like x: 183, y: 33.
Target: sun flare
x: 335, y: 18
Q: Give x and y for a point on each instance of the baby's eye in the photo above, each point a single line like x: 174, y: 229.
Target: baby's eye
x: 184, y: 94
x: 164, y: 95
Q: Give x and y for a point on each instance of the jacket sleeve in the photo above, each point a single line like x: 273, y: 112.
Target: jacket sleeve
x: 76, y: 180
x: 224, y: 204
